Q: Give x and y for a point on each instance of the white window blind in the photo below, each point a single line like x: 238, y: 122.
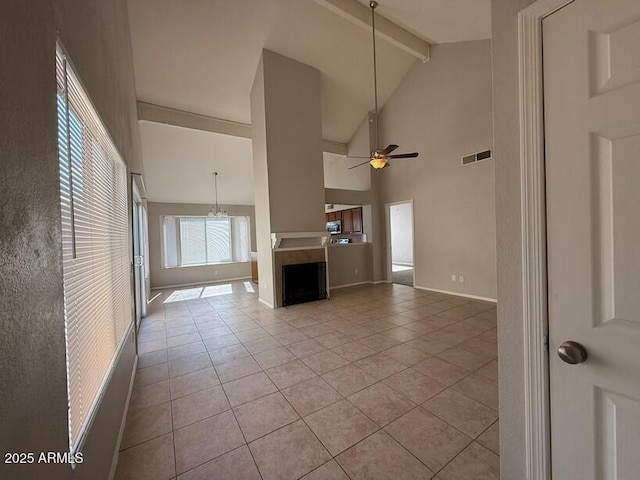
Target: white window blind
x: 189, y: 241
x: 95, y: 248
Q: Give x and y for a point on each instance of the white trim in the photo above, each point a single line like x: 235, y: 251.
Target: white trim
x: 457, y: 294
x: 533, y: 228
x: 276, y: 238
x: 114, y: 462
x: 346, y: 285
x: 149, y: 112
x: 197, y: 284
x: 293, y: 249
x: 264, y: 302
x: 387, y: 215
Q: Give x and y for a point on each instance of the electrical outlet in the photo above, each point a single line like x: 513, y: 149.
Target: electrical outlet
x: 356, y: 270
x: 215, y: 272
x: 453, y: 278
x: 461, y: 278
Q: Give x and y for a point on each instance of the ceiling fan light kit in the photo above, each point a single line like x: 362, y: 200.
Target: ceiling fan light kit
x: 379, y: 158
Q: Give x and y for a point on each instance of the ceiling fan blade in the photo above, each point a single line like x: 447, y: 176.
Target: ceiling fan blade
x: 389, y: 149
x: 404, y: 155
x: 359, y: 165
x: 369, y: 157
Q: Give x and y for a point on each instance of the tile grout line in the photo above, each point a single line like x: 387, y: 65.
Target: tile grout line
x: 320, y: 318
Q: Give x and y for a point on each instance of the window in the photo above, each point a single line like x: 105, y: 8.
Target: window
x: 95, y: 249
x: 190, y: 241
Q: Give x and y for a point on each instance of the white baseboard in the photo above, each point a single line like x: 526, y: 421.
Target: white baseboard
x: 457, y: 294
x: 346, y: 285
x: 264, y: 302
x: 182, y: 285
x: 116, y: 453
x: 402, y: 264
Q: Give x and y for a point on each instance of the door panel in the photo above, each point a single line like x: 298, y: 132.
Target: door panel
x: 592, y: 139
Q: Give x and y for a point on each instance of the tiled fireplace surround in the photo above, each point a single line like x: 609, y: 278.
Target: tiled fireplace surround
x: 292, y: 257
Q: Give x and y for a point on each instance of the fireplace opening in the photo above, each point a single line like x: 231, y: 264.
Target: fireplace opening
x: 304, y: 282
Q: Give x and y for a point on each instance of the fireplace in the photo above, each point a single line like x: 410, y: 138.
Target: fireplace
x: 304, y: 282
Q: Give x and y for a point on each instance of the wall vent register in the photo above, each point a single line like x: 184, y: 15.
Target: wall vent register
x: 476, y: 157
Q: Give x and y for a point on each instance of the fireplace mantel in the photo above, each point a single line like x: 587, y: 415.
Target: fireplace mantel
x: 299, y: 240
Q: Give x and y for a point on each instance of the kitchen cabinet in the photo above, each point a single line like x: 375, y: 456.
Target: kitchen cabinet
x: 347, y: 221
x: 351, y: 219
x: 356, y: 219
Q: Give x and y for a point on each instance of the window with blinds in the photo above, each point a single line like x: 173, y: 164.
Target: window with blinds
x: 95, y: 248
x: 189, y: 241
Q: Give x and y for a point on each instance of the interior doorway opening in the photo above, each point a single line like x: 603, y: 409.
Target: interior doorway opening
x: 401, y: 251
x: 140, y: 248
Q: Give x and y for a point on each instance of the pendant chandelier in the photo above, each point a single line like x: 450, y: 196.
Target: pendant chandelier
x: 216, y: 211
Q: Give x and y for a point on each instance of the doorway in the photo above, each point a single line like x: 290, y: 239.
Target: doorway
x: 401, y: 250
x: 140, y: 268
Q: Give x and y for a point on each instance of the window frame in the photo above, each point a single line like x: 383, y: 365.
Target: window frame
x: 206, y: 254
x: 175, y: 240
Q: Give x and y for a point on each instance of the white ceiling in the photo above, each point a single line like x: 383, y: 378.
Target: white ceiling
x: 179, y: 162
x: 200, y: 56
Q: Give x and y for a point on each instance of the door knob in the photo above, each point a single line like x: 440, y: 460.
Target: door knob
x: 572, y: 352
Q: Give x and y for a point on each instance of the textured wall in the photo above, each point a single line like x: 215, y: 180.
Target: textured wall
x: 506, y: 148
x: 33, y: 397
x: 442, y: 109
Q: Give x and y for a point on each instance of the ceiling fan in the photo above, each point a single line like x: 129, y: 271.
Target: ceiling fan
x: 379, y: 158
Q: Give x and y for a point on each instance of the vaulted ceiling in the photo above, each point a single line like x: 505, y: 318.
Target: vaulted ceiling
x: 200, y: 56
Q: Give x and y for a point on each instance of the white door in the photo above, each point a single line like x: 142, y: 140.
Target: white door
x: 139, y: 244
x: 591, y: 51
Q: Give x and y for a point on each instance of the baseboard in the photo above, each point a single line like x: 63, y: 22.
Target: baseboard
x: 457, y: 294
x: 346, y: 285
x: 402, y: 264
x: 123, y: 422
x: 182, y: 285
x: 264, y: 302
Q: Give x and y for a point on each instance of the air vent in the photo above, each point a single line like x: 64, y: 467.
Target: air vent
x: 476, y: 157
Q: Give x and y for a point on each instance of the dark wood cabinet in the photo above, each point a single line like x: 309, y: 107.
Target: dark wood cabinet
x: 351, y: 219
x: 347, y: 221
x: 356, y: 219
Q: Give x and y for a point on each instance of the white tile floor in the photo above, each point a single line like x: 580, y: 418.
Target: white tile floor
x: 380, y: 382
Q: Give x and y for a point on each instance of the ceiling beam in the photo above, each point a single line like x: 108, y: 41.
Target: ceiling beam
x: 179, y: 118
x: 149, y: 112
x: 360, y: 15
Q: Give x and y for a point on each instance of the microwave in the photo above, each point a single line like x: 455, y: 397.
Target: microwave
x: 335, y: 227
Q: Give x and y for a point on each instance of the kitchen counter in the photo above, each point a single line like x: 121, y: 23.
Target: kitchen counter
x: 347, y: 244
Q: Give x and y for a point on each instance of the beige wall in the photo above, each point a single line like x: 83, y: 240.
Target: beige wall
x: 261, y: 186
x: 164, y: 277
x: 338, y: 175
x: 442, y: 109
x: 287, y: 156
x: 294, y: 145
x: 349, y: 264
x: 504, y: 22
x: 33, y: 397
